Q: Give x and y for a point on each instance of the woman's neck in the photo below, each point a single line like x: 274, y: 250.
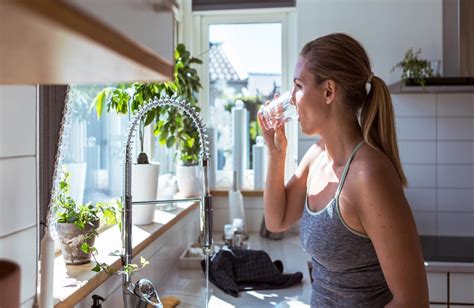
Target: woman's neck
x: 340, y: 137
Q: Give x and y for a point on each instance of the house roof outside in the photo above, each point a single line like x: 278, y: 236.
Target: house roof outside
x: 221, y: 68
x: 265, y: 84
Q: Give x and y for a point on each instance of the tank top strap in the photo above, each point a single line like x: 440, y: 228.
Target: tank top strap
x: 346, y: 168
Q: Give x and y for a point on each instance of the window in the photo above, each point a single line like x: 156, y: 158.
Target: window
x: 94, y: 152
x: 247, y: 56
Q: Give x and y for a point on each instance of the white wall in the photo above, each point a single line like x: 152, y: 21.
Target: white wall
x: 18, y: 198
x: 386, y: 28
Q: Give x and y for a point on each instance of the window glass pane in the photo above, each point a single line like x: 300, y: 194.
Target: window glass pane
x: 94, y: 154
x: 245, y: 64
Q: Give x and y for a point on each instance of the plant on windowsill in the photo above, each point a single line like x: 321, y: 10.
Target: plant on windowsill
x: 78, y: 224
x: 414, y: 70
x: 170, y: 126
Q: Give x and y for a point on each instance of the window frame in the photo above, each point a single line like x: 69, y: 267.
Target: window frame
x: 198, y: 36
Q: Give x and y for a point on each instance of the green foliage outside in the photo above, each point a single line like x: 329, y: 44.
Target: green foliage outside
x: 414, y: 68
x: 170, y: 126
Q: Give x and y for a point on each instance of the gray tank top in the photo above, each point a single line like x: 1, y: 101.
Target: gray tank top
x: 346, y: 271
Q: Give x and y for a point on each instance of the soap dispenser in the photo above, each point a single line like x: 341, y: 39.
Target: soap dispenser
x: 97, y: 301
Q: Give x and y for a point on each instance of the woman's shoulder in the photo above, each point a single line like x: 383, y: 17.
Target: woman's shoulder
x: 372, y: 165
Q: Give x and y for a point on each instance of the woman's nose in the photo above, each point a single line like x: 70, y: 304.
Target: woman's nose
x: 293, y: 96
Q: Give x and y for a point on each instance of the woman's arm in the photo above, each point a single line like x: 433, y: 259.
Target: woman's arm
x: 283, y: 204
x: 388, y: 221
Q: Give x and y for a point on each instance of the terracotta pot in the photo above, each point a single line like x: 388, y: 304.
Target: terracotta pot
x: 71, y: 239
x: 9, y: 284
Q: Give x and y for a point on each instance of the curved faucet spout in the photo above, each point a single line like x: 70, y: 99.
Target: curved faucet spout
x: 205, y: 203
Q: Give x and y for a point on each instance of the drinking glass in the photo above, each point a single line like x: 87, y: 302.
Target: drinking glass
x: 280, y: 109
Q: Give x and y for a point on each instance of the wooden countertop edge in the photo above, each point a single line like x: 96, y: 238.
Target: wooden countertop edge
x: 101, y: 277
x: 220, y: 192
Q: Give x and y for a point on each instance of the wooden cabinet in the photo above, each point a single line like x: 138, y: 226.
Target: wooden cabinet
x: 55, y: 42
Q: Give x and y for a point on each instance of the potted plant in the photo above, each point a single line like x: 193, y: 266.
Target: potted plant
x: 414, y: 70
x: 77, y: 223
x: 187, y: 84
x: 170, y: 126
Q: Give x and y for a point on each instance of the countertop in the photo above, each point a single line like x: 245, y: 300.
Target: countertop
x: 189, y: 285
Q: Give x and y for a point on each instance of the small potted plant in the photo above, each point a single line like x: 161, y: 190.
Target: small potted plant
x: 77, y: 223
x: 414, y: 70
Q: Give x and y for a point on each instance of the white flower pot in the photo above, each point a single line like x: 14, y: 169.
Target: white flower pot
x: 144, y: 188
x: 189, y: 180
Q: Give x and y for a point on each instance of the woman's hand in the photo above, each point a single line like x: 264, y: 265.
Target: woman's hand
x: 275, y: 138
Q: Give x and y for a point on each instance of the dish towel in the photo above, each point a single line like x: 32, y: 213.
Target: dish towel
x: 235, y: 269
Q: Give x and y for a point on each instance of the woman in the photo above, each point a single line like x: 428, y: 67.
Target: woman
x: 348, y: 189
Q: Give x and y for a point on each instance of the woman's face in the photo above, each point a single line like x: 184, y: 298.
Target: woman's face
x: 309, y: 99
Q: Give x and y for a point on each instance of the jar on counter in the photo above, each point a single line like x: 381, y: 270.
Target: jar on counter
x: 238, y: 227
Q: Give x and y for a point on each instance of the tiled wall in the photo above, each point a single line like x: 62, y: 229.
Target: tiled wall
x: 436, y: 140
x: 18, y: 201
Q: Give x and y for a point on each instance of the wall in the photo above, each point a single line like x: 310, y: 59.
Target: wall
x: 18, y: 183
x: 436, y: 143
x: 253, y: 210
x: 386, y: 28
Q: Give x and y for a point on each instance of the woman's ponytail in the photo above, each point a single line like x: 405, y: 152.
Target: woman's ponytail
x: 378, y: 124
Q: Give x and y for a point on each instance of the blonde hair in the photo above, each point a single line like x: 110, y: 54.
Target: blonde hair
x: 341, y: 58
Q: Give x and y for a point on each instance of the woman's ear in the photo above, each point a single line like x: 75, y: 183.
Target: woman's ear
x: 329, y: 90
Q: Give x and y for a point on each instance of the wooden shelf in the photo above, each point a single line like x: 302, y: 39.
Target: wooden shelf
x: 52, y: 42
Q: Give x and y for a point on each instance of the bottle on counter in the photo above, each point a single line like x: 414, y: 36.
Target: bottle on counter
x: 238, y: 226
x: 228, y: 235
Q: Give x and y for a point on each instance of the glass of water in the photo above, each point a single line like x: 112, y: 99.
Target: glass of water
x: 278, y: 110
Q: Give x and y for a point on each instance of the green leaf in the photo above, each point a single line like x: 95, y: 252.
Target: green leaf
x: 85, y: 248
x: 144, y: 262
x: 149, y: 117
x: 99, y: 103
x: 170, y: 142
x: 96, y: 268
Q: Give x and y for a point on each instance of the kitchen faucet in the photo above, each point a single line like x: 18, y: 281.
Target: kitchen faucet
x: 143, y: 292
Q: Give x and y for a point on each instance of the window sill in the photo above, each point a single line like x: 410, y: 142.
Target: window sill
x: 246, y: 192
x: 72, y: 283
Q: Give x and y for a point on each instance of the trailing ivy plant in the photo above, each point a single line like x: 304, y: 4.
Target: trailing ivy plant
x: 414, y: 68
x: 67, y: 210
x: 170, y: 125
